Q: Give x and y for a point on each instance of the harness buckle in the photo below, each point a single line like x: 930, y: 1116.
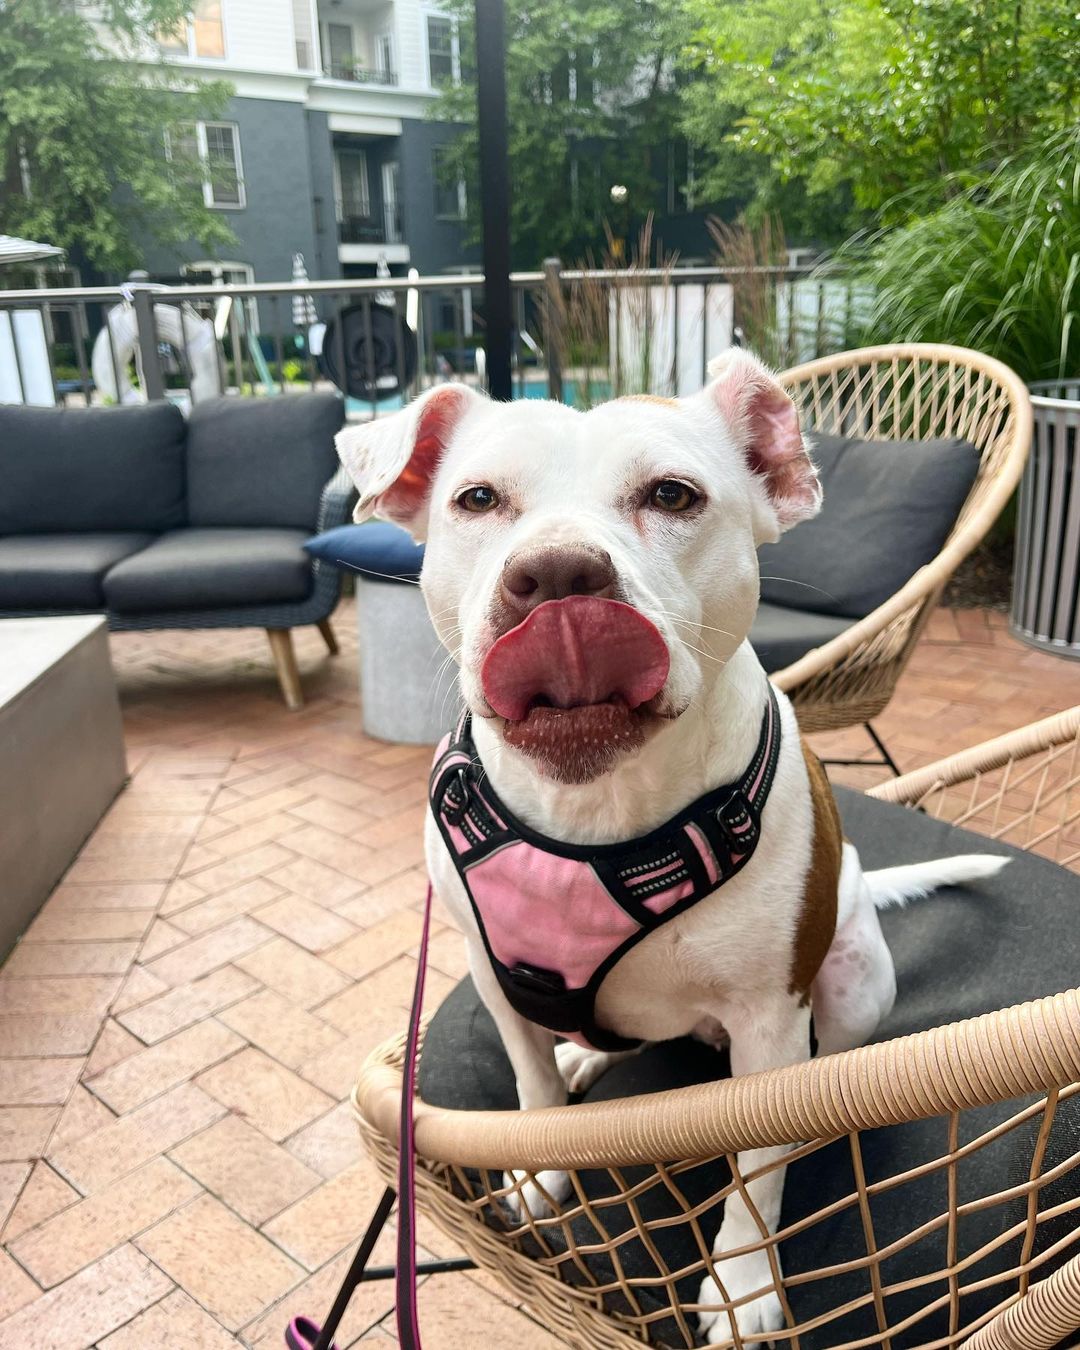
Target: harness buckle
x: 737, y: 818
x: 536, y: 980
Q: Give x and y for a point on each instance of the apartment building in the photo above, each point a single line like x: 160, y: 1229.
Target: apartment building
x: 326, y: 147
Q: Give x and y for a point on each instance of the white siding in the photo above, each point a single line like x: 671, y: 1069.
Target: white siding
x: 259, y: 35
x: 411, y: 24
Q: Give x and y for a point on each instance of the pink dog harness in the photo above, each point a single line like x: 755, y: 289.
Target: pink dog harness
x: 555, y: 917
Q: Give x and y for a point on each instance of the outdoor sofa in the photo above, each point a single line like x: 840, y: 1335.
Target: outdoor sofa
x: 161, y: 521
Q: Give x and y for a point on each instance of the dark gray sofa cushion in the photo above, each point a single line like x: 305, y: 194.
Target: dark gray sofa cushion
x: 887, y: 510
x: 101, y: 469
x: 261, y: 461
x: 958, y: 953
x: 211, y: 569
x: 61, y: 571
x: 780, y: 636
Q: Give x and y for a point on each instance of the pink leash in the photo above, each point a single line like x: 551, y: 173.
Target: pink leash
x: 408, y: 1314
x: 304, y: 1334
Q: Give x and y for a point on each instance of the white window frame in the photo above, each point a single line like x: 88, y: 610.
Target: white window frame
x: 217, y: 269
x: 339, y: 194
x: 386, y: 37
x: 462, y: 191
x: 192, y: 54
x: 391, y: 178
x: 204, y: 160
x: 455, y: 46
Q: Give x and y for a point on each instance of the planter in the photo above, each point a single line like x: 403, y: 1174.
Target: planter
x: 408, y: 687
x: 1045, y: 609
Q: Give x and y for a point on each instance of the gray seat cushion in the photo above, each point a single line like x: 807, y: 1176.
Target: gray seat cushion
x: 211, y: 569
x: 261, y: 461
x: 781, y: 635
x: 958, y: 953
x: 887, y: 510
x: 91, y: 469
x: 61, y: 571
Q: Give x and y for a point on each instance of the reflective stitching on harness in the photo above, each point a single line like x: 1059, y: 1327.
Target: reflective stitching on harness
x: 554, y: 917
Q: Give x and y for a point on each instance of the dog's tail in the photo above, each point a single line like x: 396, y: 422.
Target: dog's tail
x: 897, y: 885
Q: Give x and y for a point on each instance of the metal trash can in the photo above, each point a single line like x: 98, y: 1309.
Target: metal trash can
x: 1045, y: 609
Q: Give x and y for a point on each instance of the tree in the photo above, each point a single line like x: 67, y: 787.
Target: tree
x: 85, y: 109
x: 591, y: 103
x: 854, y: 108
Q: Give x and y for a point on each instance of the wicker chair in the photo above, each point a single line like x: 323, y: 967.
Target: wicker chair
x: 911, y: 391
x: 1023, y: 789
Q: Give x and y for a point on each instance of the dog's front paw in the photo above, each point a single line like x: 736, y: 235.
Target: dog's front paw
x: 539, y: 1196
x: 579, y: 1067
x: 756, y: 1320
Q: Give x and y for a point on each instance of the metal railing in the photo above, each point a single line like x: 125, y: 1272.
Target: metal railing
x: 580, y: 336
x: 355, y: 74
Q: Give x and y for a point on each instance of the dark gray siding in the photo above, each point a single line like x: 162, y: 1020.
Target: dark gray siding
x: 434, y: 245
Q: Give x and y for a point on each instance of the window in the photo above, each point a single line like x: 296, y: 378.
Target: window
x: 301, y: 12
x: 450, y: 199
x: 353, y: 198
x: 217, y: 274
x: 391, y: 196
x: 339, y: 42
x: 384, y: 54
x: 215, y: 146
x: 444, y: 59
x: 203, y: 34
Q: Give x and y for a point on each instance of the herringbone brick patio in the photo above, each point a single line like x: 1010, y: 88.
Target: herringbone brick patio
x: 181, y: 1026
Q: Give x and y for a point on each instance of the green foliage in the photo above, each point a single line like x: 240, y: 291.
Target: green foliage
x: 84, y: 109
x: 844, y: 111
x: 591, y: 102
x: 996, y: 268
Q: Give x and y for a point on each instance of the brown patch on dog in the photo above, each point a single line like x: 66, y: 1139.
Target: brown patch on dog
x: 649, y: 398
x: 817, y: 921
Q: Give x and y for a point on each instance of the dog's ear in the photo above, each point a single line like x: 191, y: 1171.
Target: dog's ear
x: 765, y: 424
x: 392, y: 460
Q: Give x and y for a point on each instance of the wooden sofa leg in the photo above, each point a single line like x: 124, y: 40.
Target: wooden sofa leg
x: 328, y: 636
x: 281, y: 646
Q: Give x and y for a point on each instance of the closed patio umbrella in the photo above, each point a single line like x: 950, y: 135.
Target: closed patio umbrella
x: 303, y: 306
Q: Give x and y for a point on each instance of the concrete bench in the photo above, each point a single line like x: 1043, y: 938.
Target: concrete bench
x: 61, y: 755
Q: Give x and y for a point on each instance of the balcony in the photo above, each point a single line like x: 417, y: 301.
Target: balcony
x: 355, y: 74
x: 361, y: 230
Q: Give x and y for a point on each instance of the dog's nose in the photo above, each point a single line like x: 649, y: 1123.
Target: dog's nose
x: 553, y: 573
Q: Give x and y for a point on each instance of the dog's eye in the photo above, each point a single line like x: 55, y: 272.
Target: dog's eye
x: 478, y: 499
x: 671, y: 495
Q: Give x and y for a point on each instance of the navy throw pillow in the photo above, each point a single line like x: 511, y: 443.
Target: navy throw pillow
x: 377, y: 551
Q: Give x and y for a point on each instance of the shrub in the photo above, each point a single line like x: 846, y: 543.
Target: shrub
x: 997, y: 268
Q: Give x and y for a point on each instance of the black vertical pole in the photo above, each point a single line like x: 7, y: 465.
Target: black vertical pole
x: 494, y: 191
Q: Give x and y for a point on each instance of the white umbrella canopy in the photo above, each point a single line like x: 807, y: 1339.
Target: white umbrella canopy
x: 16, y: 251
x: 303, y: 306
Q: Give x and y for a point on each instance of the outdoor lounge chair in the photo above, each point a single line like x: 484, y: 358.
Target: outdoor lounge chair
x: 933, y: 1194
x: 849, y: 661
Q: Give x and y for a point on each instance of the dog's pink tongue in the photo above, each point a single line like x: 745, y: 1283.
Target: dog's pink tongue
x: 574, y: 652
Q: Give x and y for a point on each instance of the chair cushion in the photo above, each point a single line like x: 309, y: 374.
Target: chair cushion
x: 888, y: 508
x: 781, y: 635
x: 209, y: 569
x: 60, y: 571
x: 261, y: 461
x: 100, y: 469
x: 378, y: 551
x: 958, y: 953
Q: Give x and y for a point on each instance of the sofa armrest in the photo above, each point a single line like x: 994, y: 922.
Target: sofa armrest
x: 337, y: 501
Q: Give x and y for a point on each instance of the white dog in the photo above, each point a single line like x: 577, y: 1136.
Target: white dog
x: 595, y: 577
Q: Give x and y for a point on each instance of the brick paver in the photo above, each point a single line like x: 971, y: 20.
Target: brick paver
x: 180, y: 1027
